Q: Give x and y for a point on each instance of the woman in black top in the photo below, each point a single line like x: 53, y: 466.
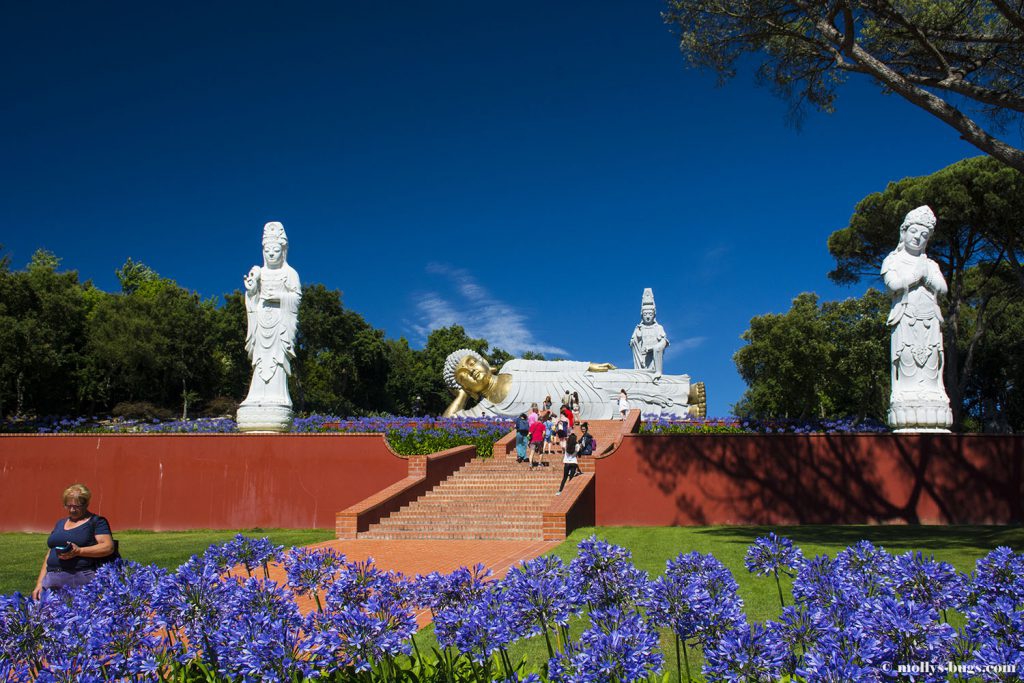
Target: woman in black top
x: 75, y: 544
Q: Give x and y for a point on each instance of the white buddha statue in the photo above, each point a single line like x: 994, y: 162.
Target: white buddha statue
x: 521, y: 383
x: 918, y: 401
x: 272, y: 296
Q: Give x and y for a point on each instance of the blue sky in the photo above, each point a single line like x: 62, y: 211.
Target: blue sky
x: 522, y: 169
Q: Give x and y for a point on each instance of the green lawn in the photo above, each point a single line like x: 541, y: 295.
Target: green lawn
x: 23, y: 553
x: 961, y: 546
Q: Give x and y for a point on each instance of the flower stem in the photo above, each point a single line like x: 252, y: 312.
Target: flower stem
x: 686, y: 659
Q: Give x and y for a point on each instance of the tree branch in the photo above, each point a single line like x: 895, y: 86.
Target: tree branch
x: 1013, y: 16
x: 933, y: 104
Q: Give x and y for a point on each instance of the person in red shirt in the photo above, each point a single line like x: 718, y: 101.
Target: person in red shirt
x: 536, y: 442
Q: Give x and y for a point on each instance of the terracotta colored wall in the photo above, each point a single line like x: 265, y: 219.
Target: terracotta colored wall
x: 193, y: 481
x: 811, y: 479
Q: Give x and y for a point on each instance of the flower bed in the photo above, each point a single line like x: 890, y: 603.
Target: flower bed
x: 417, y: 435
x: 858, y: 617
x: 733, y: 425
x: 406, y: 435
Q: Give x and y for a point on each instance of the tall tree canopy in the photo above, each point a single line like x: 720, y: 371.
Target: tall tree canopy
x: 959, y: 60
x: 979, y: 204
x: 817, y: 360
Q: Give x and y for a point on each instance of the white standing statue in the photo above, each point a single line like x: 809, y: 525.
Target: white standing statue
x: 918, y: 402
x: 649, y: 339
x: 272, y: 295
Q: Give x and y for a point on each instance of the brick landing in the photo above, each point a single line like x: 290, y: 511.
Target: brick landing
x: 412, y: 557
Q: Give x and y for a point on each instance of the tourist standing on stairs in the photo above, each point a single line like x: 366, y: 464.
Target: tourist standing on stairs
x: 537, y: 430
x: 570, y: 464
x: 587, y: 442
x: 623, y: 403
x: 522, y: 437
x: 561, y: 429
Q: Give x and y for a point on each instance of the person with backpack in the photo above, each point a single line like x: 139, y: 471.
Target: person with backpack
x: 588, y: 444
x: 78, y: 544
x: 562, y: 429
x: 522, y: 437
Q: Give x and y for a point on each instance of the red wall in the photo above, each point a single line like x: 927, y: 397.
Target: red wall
x: 193, y: 481
x: 811, y: 479
x: 226, y: 481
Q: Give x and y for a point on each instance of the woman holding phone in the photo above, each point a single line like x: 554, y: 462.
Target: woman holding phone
x: 75, y: 544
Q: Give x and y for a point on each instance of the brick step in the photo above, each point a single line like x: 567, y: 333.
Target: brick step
x: 418, y: 536
x: 471, y: 513
x: 539, y: 484
x: 427, y: 526
x: 517, y: 505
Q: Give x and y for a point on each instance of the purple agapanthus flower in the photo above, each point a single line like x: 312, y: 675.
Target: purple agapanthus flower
x: 751, y: 655
x: 619, y: 646
x: 258, y: 633
x: 927, y: 581
x: 772, y: 554
x: 312, y: 570
x: 894, y: 632
x: 724, y: 612
x: 538, y: 592
x: 604, y: 575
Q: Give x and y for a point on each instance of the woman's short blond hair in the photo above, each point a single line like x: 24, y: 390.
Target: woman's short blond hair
x: 79, y: 492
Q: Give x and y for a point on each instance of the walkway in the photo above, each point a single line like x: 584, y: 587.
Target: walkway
x: 412, y: 557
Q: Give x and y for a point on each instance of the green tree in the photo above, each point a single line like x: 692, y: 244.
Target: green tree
x: 342, y: 363
x: 42, y: 316
x: 955, y: 59
x: 816, y: 361
x: 978, y: 203
x: 233, y: 368
x: 154, y: 344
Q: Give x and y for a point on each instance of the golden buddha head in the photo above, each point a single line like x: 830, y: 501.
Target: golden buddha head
x: 467, y: 369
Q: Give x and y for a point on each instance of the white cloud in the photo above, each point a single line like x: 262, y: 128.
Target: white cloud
x: 469, y: 304
x: 677, y: 347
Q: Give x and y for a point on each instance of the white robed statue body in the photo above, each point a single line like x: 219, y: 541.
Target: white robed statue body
x: 521, y: 383
x: 272, y: 296
x: 649, y: 340
x: 918, y: 401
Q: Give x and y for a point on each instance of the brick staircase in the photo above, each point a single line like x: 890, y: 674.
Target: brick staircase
x: 489, y: 498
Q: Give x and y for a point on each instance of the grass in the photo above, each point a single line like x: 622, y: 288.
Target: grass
x: 24, y: 552
x: 961, y: 546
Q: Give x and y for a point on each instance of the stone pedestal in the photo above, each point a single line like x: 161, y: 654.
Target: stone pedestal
x: 264, y: 418
x: 920, y: 416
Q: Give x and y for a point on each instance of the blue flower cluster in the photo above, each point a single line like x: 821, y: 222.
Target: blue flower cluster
x: 670, y: 424
x: 459, y: 426
x: 89, y: 425
x: 858, y: 617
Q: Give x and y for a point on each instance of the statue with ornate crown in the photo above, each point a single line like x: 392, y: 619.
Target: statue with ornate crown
x: 649, y: 339
x: 918, y: 402
x: 520, y: 383
x: 272, y: 296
